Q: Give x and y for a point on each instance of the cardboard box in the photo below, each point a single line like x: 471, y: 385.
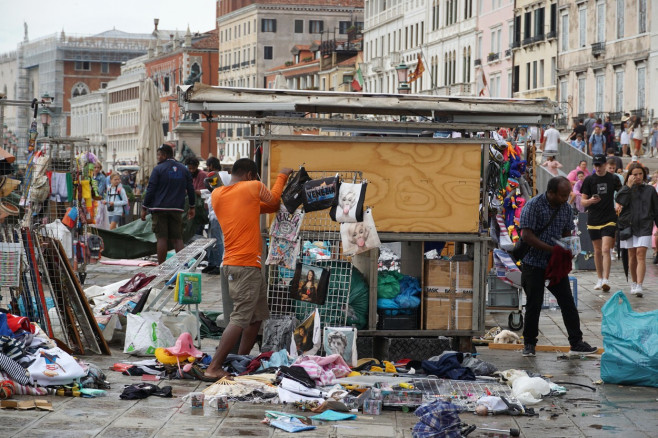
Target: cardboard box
x: 438, y: 276
x: 463, y: 313
x: 462, y: 272
x: 438, y: 311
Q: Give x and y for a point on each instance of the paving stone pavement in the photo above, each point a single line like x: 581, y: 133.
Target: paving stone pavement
x: 607, y: 411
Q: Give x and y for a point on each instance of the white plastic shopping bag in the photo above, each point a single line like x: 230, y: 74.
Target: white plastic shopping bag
x: 54, y: 366
x: 145, y: 332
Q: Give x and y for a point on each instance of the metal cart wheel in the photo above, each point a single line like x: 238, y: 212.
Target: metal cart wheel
x: 515, y: 321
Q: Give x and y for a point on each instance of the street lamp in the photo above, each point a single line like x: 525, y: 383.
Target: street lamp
x: 46, y: 99
x: 403, y: 87
x: 46, y: 118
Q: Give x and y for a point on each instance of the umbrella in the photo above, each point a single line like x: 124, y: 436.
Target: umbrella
x: 150, y: 129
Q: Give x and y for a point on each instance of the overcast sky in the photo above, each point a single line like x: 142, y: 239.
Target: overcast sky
x: 88, y: 17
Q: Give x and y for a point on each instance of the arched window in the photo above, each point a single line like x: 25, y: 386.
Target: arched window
x: 80, y: 89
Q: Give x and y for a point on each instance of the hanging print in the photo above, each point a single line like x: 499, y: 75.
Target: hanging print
x: 360, y: 236
x: 310, y: 284
x: 348, y: 205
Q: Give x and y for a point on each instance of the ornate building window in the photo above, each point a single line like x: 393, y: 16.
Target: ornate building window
x: 80, y: 89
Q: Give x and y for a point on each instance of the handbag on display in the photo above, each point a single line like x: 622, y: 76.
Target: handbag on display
x: 293, y: 195
x: 348, y: 205
x: 319, y: 194
x: 310, y: 284
x: 360, y: 236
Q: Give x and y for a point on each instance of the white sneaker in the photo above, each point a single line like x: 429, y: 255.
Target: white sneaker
x: 638, y: 291
x: 633, y: 287
x: 599, y: 284
x: 605, y: 285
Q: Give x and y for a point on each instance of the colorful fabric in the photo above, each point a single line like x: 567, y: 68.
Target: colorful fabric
x: 26, y: 389
x: 324, y: 370
x: 16, y: 372
x: 437, y: 419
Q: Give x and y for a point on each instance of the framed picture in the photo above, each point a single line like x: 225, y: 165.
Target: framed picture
x: 310, y: 284
x: 341, y: 340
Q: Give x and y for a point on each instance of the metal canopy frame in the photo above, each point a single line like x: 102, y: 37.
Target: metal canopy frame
x: 371, y: 113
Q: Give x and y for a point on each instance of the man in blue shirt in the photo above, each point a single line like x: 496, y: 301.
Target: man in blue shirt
x: 165, y: 194
x: 597, y: 144
x: 545, y: 219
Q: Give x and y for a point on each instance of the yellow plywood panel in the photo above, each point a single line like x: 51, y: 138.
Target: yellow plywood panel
x: 415, y: 188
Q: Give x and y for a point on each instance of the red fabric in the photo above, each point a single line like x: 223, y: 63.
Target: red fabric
x: 255, y: 363
x: 16, y: 323
x: 559, y: 265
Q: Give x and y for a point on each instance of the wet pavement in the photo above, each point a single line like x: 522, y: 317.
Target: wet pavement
x: 607, y: 410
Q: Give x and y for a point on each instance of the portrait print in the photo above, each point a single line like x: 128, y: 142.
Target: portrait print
x: 341, y: 340
x: 348, y: 205
x: 360, y: 236
x: 310, y: 284
x: 307, y: 335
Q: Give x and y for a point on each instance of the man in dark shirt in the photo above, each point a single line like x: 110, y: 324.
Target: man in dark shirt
x: 611, y: 154
x: 165, y: 194
x: 579, y: 129
x: 545, y: 219
x: 598, y: 192
x: 589, y: 123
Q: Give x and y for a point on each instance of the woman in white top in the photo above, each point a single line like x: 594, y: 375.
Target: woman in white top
x: 637, y: 136
x: 624, y: 139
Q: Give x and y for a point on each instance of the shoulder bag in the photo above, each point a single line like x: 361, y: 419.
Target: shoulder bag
x: 521, y: 248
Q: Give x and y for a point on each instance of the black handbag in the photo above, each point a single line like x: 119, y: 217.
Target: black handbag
x: 319, y: 194
x: 521, y: 248
x: 624, y: 225
x: 293, y: 195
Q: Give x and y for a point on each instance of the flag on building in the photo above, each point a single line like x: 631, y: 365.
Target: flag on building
x: 418, y: 72
x: 357, y: 82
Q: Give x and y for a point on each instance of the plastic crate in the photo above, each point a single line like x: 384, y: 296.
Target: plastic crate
x: 574, y: 290
x: 403, y: 319
x: 501, y: 294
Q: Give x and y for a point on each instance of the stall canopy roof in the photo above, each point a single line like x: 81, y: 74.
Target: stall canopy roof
x: 253, y: 102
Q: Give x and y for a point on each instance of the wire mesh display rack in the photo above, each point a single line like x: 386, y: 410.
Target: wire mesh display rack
x: 317, y: 231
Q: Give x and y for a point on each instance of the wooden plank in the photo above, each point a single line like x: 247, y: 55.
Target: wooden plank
x: 79, y: 294
x: 415, y: 188
x: 550, y: 348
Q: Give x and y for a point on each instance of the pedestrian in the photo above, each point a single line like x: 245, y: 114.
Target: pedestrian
x: 238, y: 207
x: 165, y: 194
x: 598, y: 193
x: 215, y: 252
x: 624, y: 139
x: 582, y: 167
x: 597, y: 142
x: 545, y: 219
x: 522, y: 137
x: 637, y: 136
x: 198, y: 175
x: 550, y: 140
x: 639, y: 211
x: 634, y: 160
x: 579, y: 143
x: 576, y: 197
x: 619, y: 164
x: 589, y: 123
x: 100, y: 178
x: 115, y: 200
x: 609, y: 133
x: 653, y: 138
x: 552, y: 165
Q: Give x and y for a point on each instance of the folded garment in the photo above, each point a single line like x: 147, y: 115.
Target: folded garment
x: 333, y: 416
x: 143, y: 390
x: 16, y: 372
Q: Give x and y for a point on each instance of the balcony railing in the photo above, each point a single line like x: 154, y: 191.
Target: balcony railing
x: 598, y: 48
x: 234, y: 66
x: 508, y: 53
x: 377, y: 64
x: 526, y: 41
x: 493, y: 57
x: 639, y: 112
x: 244, y: 63
x: 394, y: 58
x: 616, y: 116
x: 477, y: 62
x: 515, y: 44
x: 551, y: 35
x: 537, y: 38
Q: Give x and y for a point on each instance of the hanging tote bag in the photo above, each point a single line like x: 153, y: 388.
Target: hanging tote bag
x: 293, y: 195
x: 319, y: 194
x: 361, y: 236
x: 348, y: 205
x: 310, y: 284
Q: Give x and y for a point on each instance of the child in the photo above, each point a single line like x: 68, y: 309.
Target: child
x: 579, y: 143
x: 575, y: 194
x: 552, y: 165
x: 115, y: 199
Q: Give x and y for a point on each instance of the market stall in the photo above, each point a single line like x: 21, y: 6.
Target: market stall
x: 421, y: 188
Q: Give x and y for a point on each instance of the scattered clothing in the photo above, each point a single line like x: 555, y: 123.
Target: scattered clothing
x: 143, y: 390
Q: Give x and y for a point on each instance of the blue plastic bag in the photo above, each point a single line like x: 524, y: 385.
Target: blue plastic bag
x: 630, y: 340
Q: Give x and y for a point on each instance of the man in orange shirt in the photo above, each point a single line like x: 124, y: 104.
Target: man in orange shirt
x: 238, y: 207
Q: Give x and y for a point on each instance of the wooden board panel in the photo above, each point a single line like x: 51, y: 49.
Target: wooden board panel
x: 414, y: 188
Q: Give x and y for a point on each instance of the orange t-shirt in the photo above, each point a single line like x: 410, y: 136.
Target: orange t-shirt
x: 238, y: 208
